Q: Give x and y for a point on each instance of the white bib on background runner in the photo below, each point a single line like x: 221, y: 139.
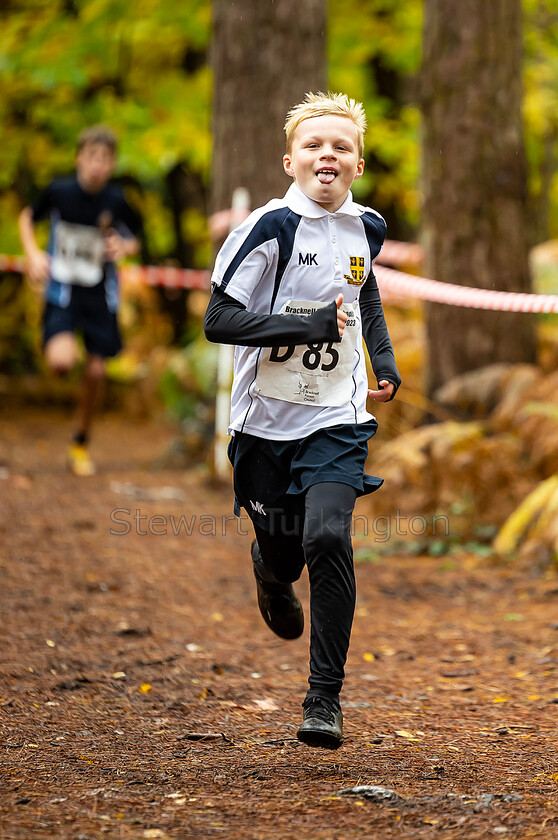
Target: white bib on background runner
x: 78, y: 254
x: 317, y: 374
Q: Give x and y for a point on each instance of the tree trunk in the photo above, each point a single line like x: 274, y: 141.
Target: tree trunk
x: 475, y: 188
x: 265, y: 55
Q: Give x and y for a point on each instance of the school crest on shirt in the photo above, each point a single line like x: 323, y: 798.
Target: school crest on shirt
x: 356, y: 277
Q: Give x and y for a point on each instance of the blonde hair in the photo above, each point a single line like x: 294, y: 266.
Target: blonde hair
x: 325, y: 104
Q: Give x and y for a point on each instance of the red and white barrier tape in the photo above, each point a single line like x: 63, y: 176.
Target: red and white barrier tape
x: 164, y: 275
x: 152, y: 275
x: 400, y: 253
x: 399, y: 284
x: 393, y: 284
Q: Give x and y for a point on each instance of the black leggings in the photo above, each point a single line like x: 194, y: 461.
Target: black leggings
x: 321, y: 538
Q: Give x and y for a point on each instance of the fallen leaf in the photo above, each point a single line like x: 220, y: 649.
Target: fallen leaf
x: 267, y: 705
x: 404, y: 733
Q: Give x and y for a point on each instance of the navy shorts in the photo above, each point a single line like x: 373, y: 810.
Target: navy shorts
x: 87, y: 313
x: 275, y: 474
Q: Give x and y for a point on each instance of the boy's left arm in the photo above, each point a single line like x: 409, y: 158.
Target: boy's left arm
x: 378, y: 342
x: 123, y: 239
x: 117, y: 247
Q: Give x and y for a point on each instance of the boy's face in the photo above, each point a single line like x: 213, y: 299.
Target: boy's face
x: 324, y: 159
x: 95, y: 164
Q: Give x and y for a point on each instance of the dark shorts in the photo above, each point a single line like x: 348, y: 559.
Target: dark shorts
x: 87, y: 313
x: 274, y: 475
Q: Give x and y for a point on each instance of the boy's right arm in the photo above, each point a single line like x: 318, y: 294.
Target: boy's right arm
x: 38, y: 262
x: 227, y: 321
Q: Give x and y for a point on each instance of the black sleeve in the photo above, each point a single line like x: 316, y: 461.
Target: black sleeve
x: 43, y: 204
x: 375, y: 334
x: 227, y: 321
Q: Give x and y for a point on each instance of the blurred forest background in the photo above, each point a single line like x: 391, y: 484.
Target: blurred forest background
x: 164, y: 79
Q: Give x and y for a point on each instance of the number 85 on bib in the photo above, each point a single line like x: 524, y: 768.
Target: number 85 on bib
x: 318, y: 374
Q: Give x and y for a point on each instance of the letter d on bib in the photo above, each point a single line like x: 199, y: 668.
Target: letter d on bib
x: 275, y: 356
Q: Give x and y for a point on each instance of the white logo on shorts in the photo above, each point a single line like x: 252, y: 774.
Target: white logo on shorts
x: 258, y: 507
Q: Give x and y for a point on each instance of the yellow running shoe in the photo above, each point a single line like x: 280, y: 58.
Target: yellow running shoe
x: 79, y: 461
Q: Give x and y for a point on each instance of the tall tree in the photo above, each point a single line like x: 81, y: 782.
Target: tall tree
x: 475, y: 193
x: 265, y: 57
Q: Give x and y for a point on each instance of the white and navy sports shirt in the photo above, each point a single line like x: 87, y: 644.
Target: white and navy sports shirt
x: 293, y: 249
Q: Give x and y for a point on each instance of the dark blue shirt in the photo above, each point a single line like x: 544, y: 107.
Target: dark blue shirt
x: 77, y: 221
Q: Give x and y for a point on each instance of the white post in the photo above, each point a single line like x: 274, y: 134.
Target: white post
x: 240, y: 204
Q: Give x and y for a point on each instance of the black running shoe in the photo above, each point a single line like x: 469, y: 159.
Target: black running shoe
x: 322, y: 724
x: 280, y: 608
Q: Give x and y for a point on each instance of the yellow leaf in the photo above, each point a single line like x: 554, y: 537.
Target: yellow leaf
x: 144, y: 688
x: 369, y: 657
x: 50, y: 643
x: 404, y: 733
x: 217, y: 616
x: 500, y: 700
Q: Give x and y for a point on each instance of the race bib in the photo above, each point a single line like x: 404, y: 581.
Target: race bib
x: 78, y: 254
x: 311, y: 374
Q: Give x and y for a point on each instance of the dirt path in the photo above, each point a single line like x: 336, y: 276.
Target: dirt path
x: 118, y: 650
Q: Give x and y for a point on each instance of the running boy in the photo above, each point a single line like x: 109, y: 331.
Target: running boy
x: 293, y: 288
x: 91, y: 227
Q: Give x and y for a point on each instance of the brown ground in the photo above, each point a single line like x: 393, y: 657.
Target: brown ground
x: 117, y: 650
